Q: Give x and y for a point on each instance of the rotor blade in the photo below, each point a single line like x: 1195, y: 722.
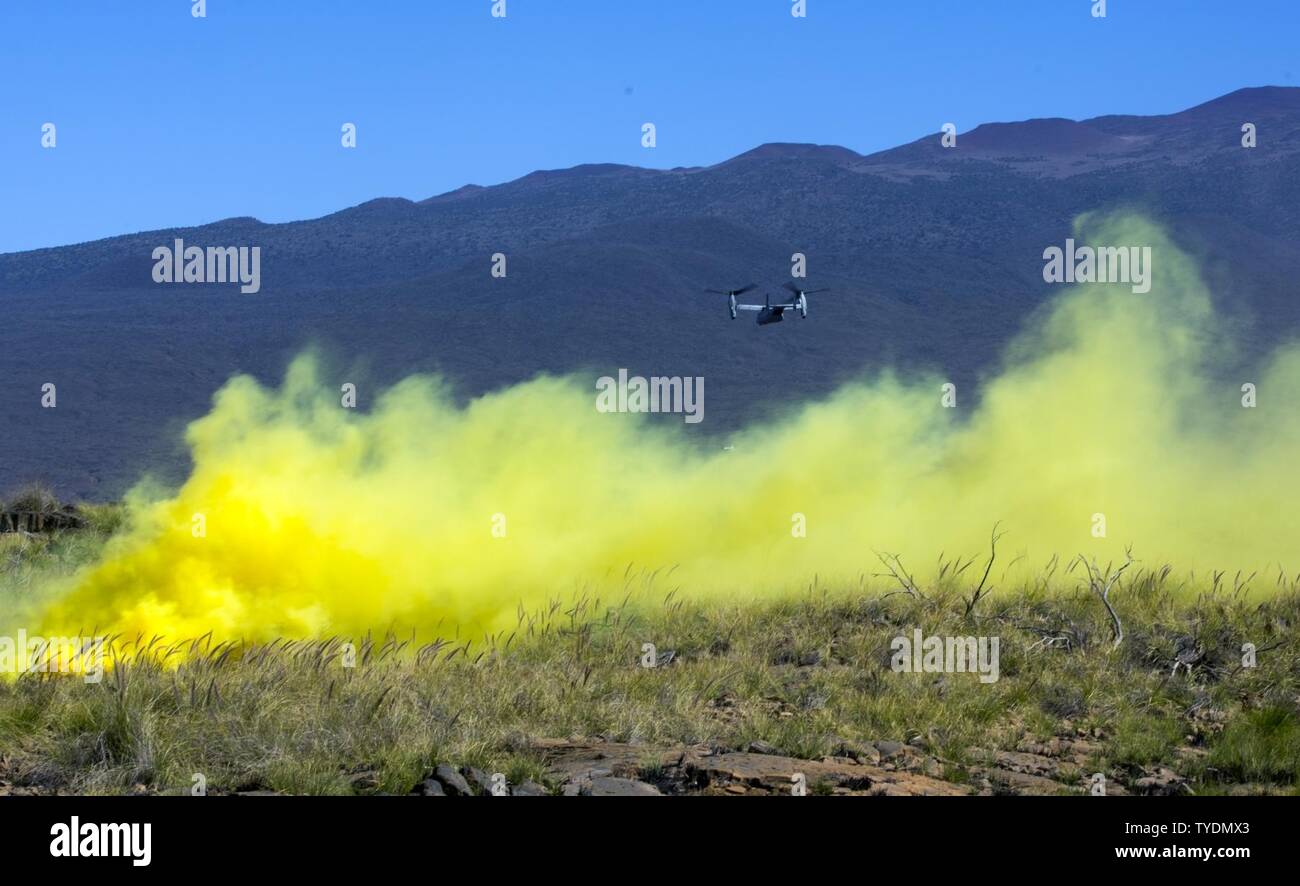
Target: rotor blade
x: 741, y: 291
x: 790, y: 286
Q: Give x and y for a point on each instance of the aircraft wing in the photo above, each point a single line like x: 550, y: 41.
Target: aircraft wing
x: 750, y: 307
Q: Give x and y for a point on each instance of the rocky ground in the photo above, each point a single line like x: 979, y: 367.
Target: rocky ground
x: 590, y: 768
x: 596, y: 768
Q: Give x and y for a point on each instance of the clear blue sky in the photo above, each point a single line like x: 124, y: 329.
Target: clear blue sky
x: 164, y: 119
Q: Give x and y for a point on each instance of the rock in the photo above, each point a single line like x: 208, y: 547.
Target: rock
x: 1079, y: 750
x: 430, y: 787
x: 1187, y: 652
x: 858, y: 752
x: 1009, y: 781
x: 367, y: 780
x: 479, y: 779
x: 529, y: 789
x: 1160, y: 782
x: 453, y: 781
x: 609, y: 786
x: 1030, y: 764
x: 1023, y: 773
x: 890, y: 749
x: 761, y: 747
x: 775, y: 775
x: 576, y: 759
x: 698, y: 769
x: 1048, y: 749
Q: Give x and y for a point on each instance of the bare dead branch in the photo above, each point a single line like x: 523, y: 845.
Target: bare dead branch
x: 899, y: 573
x: 993, y: 555
x: 1101, y: 581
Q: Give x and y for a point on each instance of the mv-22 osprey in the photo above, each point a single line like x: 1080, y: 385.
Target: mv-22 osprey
x: 768, y: 312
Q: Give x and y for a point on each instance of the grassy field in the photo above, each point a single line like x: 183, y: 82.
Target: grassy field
x: 1170, y: 709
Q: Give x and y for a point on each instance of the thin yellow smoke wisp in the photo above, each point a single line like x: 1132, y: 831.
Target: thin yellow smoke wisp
x: 423, y: 515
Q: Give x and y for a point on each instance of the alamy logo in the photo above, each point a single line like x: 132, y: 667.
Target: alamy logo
x: 83, y: 656
x: 945, y: 655
x: 1104, y: 264
x: 655, y: 394
x: 215, y: 264
x: 90, y: 840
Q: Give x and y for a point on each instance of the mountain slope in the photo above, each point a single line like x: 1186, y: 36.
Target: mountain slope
x: 934, y: 255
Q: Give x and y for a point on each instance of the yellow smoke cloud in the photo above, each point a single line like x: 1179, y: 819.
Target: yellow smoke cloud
x: 321, y: 520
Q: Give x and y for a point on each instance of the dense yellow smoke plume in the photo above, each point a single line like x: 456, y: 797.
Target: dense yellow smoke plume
x: 321, y: 520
